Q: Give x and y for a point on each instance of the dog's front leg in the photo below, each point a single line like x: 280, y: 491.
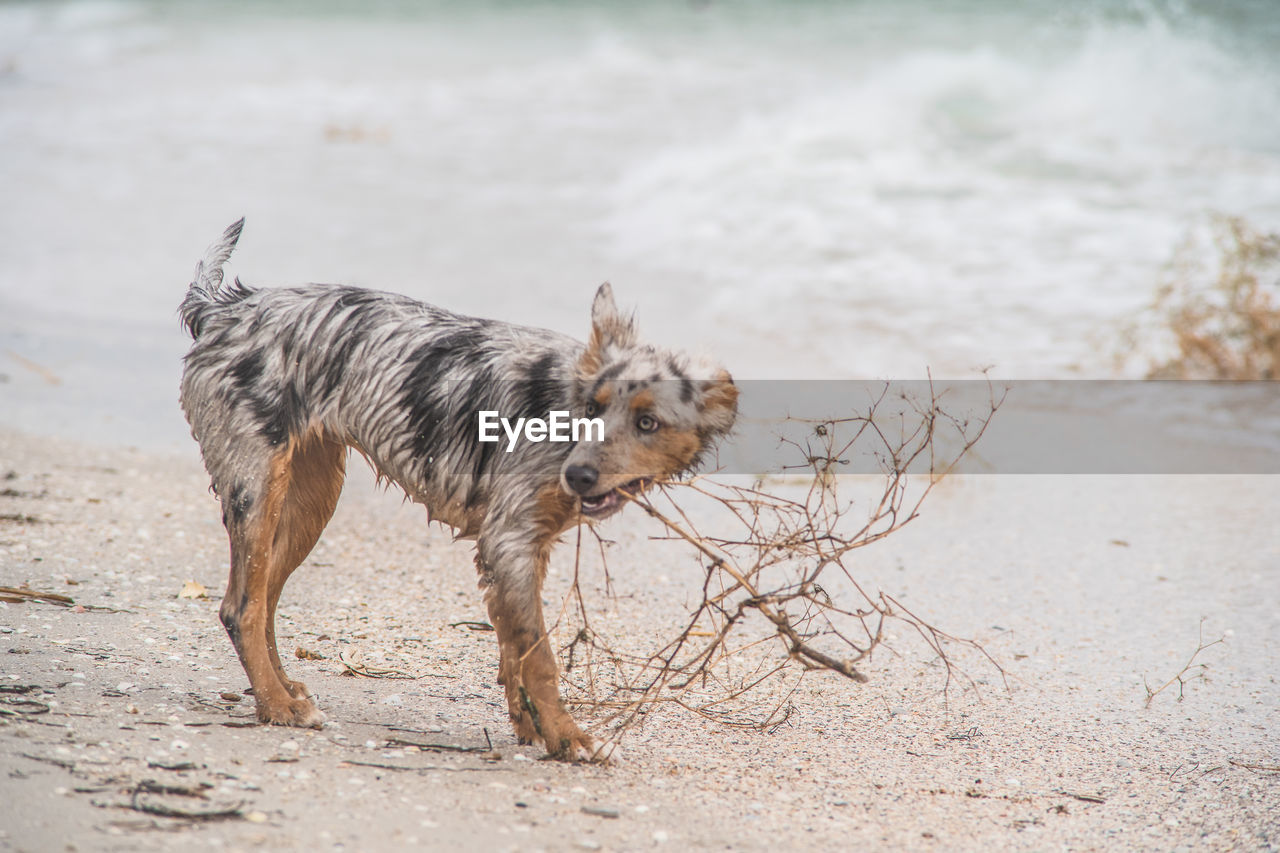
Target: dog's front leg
x: 527, y: 665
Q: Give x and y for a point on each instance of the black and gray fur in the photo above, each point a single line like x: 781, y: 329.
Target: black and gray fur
x: 278, y: 382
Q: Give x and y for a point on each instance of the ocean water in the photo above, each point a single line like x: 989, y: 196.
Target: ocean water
x: 807, y: 190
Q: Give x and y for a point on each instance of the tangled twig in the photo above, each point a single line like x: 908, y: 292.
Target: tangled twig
x: 776, y: 574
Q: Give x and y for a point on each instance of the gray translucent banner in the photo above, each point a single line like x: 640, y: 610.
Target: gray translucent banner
x: 916, y: 426
x: 1039, y: 427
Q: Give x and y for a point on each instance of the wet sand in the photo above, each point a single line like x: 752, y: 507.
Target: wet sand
x: 1082, y: 587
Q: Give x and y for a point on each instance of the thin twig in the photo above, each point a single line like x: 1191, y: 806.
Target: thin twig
x: 768, y: 560
x: 1178, y: 676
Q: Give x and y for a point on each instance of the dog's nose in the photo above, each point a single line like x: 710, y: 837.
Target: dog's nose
x: 581, y: 478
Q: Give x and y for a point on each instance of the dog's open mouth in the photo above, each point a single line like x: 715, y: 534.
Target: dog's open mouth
x: 599, y: 506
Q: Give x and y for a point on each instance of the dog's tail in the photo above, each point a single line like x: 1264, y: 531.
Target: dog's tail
x: 206, y: 285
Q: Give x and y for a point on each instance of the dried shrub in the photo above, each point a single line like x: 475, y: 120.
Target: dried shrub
x: 1224, y: 325
x: 779, y: 596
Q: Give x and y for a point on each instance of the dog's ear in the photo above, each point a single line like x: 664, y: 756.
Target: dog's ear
x: 609, y: 330
x: 718, y: 403
x: 608, y: 326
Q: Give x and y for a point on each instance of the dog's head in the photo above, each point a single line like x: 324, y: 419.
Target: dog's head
x: 660, y: 411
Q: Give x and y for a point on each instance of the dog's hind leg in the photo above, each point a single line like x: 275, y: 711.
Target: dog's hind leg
x: 317, y: 469
x: 252, y: 513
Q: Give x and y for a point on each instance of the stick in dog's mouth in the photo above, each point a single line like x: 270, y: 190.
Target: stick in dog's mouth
x: 599, y: 506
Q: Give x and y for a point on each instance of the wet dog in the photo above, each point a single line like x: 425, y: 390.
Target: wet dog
x: 280, y: 382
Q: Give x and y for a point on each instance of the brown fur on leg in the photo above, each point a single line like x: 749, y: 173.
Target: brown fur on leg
x: 539, y: 697
x: 246, y: 608
x: 530, y: 678
x: 317, y: 469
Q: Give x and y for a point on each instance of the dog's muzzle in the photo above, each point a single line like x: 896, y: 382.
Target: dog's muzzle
x: 583, y: 478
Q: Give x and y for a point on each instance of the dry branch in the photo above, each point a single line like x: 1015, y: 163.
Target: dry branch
x: 1181, y: 678
x: 1249, y: 765
x: 779, y: 597
x: 17, y: 595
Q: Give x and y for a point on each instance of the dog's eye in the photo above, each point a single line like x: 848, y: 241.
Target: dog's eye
x: 593, y: 408
x: 647, y: 423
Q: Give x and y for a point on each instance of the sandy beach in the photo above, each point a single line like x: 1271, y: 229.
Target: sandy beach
x: 115, y: 704
x: 808, y: 194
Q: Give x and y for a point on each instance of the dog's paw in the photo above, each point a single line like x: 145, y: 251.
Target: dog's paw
x: 526, y: 732
x: 300, y: 713
x: 550, y: 724
x: 566, y: 742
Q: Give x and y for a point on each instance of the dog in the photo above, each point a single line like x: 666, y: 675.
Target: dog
x: 280, y: 382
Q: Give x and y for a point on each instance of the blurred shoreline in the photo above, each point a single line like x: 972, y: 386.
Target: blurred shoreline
x: 825, y: 191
